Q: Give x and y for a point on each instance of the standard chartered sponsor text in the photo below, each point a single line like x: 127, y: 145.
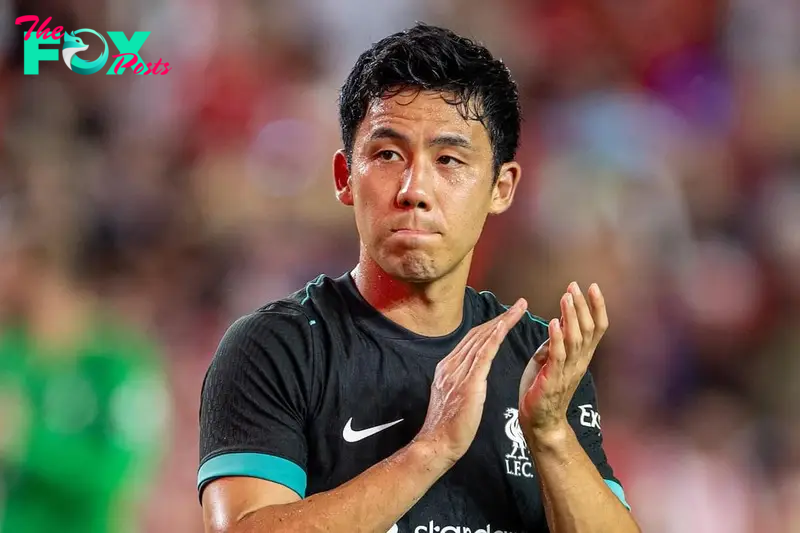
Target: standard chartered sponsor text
x: 432, y: 527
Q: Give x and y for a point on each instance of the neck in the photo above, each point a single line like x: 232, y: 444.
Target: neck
x: 432, y: 309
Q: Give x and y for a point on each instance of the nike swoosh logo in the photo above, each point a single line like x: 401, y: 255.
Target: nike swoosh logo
x: 351, y: 435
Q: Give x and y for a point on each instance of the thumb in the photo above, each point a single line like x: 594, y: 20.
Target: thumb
x: 542, y: 353
x: 533, y: 368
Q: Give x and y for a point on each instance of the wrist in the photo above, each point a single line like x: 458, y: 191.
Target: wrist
x: 549, y: 438
x: 432, y: 454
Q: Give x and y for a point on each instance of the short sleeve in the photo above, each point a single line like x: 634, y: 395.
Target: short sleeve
x: 584, y: 417
x: 254, y: 402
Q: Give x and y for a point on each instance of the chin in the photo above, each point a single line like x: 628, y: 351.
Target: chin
x: 412, y: 266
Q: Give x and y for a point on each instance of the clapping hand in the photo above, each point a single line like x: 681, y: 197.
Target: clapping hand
x: 553, y: 374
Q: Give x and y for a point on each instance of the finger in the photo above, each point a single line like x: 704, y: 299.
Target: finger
x: 599, y: 313
x: 512, y: 315
x: 533, y: 368
x: 466, y: 355
x: 467, y: 350
x: 541, y: 355
x: 477, y: 333
x: 468, y: 339
x: 482, y: 334
x: 509, y: 318
x: 571, y: 328
x: 557, y: 354
x: 484, y: 357
x: 585, y: 319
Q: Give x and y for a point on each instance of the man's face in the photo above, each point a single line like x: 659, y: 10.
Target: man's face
x: 421, y: 185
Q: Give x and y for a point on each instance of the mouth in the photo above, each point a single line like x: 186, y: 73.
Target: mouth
x: 413, y: 232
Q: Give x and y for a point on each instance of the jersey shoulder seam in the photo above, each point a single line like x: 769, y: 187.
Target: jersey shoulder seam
x: 291, y: 305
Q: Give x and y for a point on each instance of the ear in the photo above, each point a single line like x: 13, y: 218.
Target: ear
x: 341, y: 176
x: 505, y: 187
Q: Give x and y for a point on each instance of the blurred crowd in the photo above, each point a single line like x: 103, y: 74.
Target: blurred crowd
x: 661, y: 159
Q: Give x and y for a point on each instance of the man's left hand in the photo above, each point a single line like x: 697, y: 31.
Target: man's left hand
x: 557, y: 367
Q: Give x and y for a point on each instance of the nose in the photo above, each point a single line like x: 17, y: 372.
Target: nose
x: 414, y: 190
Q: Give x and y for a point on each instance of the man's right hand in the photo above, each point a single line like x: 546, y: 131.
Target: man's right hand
x: 458, y: 391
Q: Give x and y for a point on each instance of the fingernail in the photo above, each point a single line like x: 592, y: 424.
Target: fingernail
x: 576, y: 287
x: 569, y: 298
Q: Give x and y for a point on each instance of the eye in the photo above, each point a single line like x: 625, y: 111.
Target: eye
x: 387, y: 155
x: 448, y: 161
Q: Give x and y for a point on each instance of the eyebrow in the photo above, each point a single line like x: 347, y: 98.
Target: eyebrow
x: 447, y: 139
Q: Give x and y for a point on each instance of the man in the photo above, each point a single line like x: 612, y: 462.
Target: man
x: 395, y: 398
x: 83, y: 402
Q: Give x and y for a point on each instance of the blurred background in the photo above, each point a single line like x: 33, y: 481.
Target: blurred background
x: 140, y: 215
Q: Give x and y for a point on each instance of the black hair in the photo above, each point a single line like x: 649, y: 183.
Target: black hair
x: 428, y: 58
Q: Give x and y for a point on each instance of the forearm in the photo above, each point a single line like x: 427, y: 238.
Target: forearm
x: 369, y: 503
x: 576, y: 498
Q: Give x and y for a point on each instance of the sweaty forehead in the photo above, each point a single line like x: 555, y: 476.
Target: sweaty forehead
x: 422, y: 114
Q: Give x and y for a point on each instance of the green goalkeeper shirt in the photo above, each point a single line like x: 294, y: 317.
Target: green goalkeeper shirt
x: 80, y: 429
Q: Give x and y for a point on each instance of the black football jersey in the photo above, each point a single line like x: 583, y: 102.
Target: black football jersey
x: 312, y: 390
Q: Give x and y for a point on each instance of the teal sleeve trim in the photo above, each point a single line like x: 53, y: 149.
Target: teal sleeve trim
x: 616, y: 488
x: 258, y: 465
